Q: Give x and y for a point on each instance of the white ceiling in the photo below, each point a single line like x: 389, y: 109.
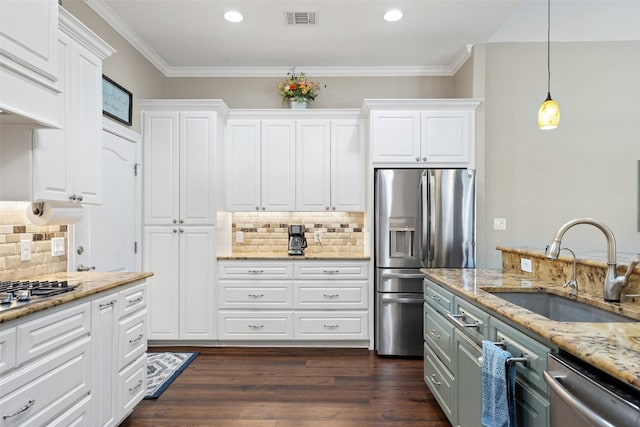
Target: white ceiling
x: 191, y: 38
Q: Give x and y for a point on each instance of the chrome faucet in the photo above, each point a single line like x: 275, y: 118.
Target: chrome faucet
x: 613, y: 283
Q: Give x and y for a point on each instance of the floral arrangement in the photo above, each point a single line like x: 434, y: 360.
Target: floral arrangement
x: 297, y: 88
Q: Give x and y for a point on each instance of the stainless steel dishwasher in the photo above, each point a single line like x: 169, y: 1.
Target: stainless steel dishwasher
x: 580, y: 394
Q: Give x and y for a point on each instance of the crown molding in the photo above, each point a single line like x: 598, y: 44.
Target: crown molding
x: 102, y: 9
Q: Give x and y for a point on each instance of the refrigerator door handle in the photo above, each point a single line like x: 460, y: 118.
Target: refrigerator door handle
x: 392, y: 275
x: 423, y: 219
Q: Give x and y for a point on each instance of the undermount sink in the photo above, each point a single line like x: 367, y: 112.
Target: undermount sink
x: 559, y: 308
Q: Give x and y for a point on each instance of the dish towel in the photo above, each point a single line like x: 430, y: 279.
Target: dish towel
x: 498, y: 385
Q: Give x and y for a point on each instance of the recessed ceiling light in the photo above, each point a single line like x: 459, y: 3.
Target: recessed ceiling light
x: 233, y: 16
x: 393, y: 15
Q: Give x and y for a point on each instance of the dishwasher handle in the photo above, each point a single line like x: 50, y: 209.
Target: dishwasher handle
x: 402, y: 299
x: 572, y: 401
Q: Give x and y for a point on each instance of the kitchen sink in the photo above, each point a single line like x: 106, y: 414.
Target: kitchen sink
x: 561, y: 309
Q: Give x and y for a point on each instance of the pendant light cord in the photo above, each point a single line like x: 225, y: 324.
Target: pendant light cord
x: 549, y: 47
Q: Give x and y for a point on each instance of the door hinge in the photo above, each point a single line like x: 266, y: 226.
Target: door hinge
x: 135, y: 169
x: 135, y: 247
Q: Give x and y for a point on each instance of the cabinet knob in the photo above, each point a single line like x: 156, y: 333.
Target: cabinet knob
x: 181, y: 230
x: 257, y: 208
x: 333, y: 208
x: 181, y: 221
x: 175, y: 221
x: 417, y: 159
x: 73, y: 197
x: 175, y: 230
x: 263, y: 208
x: 326, y: 208
x: 424, y: 159
x: 79, y: 198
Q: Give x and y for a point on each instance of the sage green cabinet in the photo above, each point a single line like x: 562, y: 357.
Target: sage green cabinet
x: 454, y: 328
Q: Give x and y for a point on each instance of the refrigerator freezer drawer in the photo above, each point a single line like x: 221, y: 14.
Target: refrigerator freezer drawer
x: 399, y: 324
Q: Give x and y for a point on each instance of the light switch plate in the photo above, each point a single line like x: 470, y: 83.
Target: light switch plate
x: 57, y: 246
x: 239, y: 237
x: 525, y: 265
x: 25, y: 250
x: 499, y: 223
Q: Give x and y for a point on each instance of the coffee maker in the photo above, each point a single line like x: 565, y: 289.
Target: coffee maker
x: 297, y: 241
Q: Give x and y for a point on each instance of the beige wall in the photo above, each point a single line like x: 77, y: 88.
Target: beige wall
x: 127, y: 66
x: 335, y: 92
x: 587, y: 167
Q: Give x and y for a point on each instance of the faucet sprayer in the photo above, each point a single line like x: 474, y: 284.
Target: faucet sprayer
x: 613, y: 283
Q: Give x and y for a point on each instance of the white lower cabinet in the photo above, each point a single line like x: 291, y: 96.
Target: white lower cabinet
x: 293, y: 300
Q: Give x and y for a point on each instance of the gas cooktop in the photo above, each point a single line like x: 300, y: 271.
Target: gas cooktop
x: 15, y: 294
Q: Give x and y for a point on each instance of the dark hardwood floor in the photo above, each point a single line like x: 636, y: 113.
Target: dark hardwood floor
x: 293, y: 387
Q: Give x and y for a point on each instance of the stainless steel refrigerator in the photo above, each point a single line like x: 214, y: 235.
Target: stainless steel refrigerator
x: 424, y: 218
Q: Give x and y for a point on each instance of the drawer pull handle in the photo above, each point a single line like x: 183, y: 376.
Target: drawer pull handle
x: 256, y: 295
x: 436, y: 298
x: 434, y: 380
x: 256, y: 326
x: 331, y: 271
x: 434, y: 334
x: 331, y: 296
x: 108, y: 304
x: 137, y: 386
x: 256, y: 271
x: 138, y: 338
x: 331, y: 326
x: 133, y: 301
x: 28, y: 405
x: 460, y: 320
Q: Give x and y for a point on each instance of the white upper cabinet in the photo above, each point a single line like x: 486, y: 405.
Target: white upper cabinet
x: 180, y: 162
x: 313, y: 165
x: 277, y: 165
x: 347, y: 165
x: 242, y: 165
x: 29, y: 60
x: 439, y: 132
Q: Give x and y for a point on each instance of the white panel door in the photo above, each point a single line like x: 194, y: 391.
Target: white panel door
x: 446, y: 136
x: 197, y: 168
x: 161, y: 255
x: 108, y: 232
x: 161, y: 168
x: 395, y: 137
x: 242, y: 155
x: 197, y: 284
x: 313, y: 169
x: 277, y: 165
x: 347, y: 166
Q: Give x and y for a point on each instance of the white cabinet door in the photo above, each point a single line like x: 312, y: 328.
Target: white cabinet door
x: 242, y: 155
x: 313, y: 168
x: 277, y: 165
x: 104, y: 338
x: 347, y: 166
x: 395, y: 137
x: 160, y: 255
x: 197, y: 171
x: 161, y: 173
x: 197, y: 284
x: 446, y: 136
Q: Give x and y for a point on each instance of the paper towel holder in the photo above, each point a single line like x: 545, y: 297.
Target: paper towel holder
x: 37, y: 208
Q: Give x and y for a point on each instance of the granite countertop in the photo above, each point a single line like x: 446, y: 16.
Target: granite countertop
x: 612, y: 347
x: 89, y: 283
x: 309, y: 255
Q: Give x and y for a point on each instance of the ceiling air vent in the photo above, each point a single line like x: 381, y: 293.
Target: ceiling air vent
x: 302, y: 18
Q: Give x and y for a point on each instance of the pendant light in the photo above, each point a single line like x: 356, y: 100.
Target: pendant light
x: 549, y: 112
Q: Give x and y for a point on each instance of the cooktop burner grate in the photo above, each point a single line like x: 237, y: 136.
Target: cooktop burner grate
x: 18, y: 293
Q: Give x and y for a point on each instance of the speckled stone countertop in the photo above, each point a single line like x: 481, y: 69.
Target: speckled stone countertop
x: 308, y: 255
x: 612, y: 347
x: 89, y: 283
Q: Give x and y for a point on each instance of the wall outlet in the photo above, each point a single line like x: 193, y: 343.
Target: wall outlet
x: 317, y: 236
x: 525, y: 265
x: 25, y: 250
x: 499, y: 223
x: 57, y: 246
x: 239, y: 237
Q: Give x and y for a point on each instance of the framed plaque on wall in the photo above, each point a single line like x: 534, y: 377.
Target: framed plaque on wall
x: 116, y: 101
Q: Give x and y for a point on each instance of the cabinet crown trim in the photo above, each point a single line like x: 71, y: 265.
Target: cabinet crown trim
x: 419, y: 104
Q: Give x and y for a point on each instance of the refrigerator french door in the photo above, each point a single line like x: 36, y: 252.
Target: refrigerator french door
x: 424, y: 218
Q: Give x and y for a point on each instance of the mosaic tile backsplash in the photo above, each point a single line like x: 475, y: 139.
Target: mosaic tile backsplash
x: 342, y: 232
x: 15, y: 227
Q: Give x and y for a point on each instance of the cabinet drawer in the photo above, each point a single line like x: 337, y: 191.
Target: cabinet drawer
x: 323, y: 270
x: 78, y: 415
x: 50, y: 331
x: 334, y: 325
x: 254, y: 270
x: 132, y: 300
x: 133, y: 338
x: 7, y: 349
x: 47, y: 388
x: 438, y: 297
x: 440, y: 382
x: 339, y: 295
x: 244, y: 294
x: 438, y: 336
x: 133, y: 385
x: 242, y: 325
x: 470, y: 320
x: 519, y: 344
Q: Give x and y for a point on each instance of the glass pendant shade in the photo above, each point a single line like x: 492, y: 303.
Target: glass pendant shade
x: 549, y: 114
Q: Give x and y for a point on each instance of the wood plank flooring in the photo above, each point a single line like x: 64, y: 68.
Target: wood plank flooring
x: 293, y: 387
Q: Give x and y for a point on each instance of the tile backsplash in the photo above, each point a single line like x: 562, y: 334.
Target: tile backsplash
x: 15, y: 227
x: 342, y: 232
